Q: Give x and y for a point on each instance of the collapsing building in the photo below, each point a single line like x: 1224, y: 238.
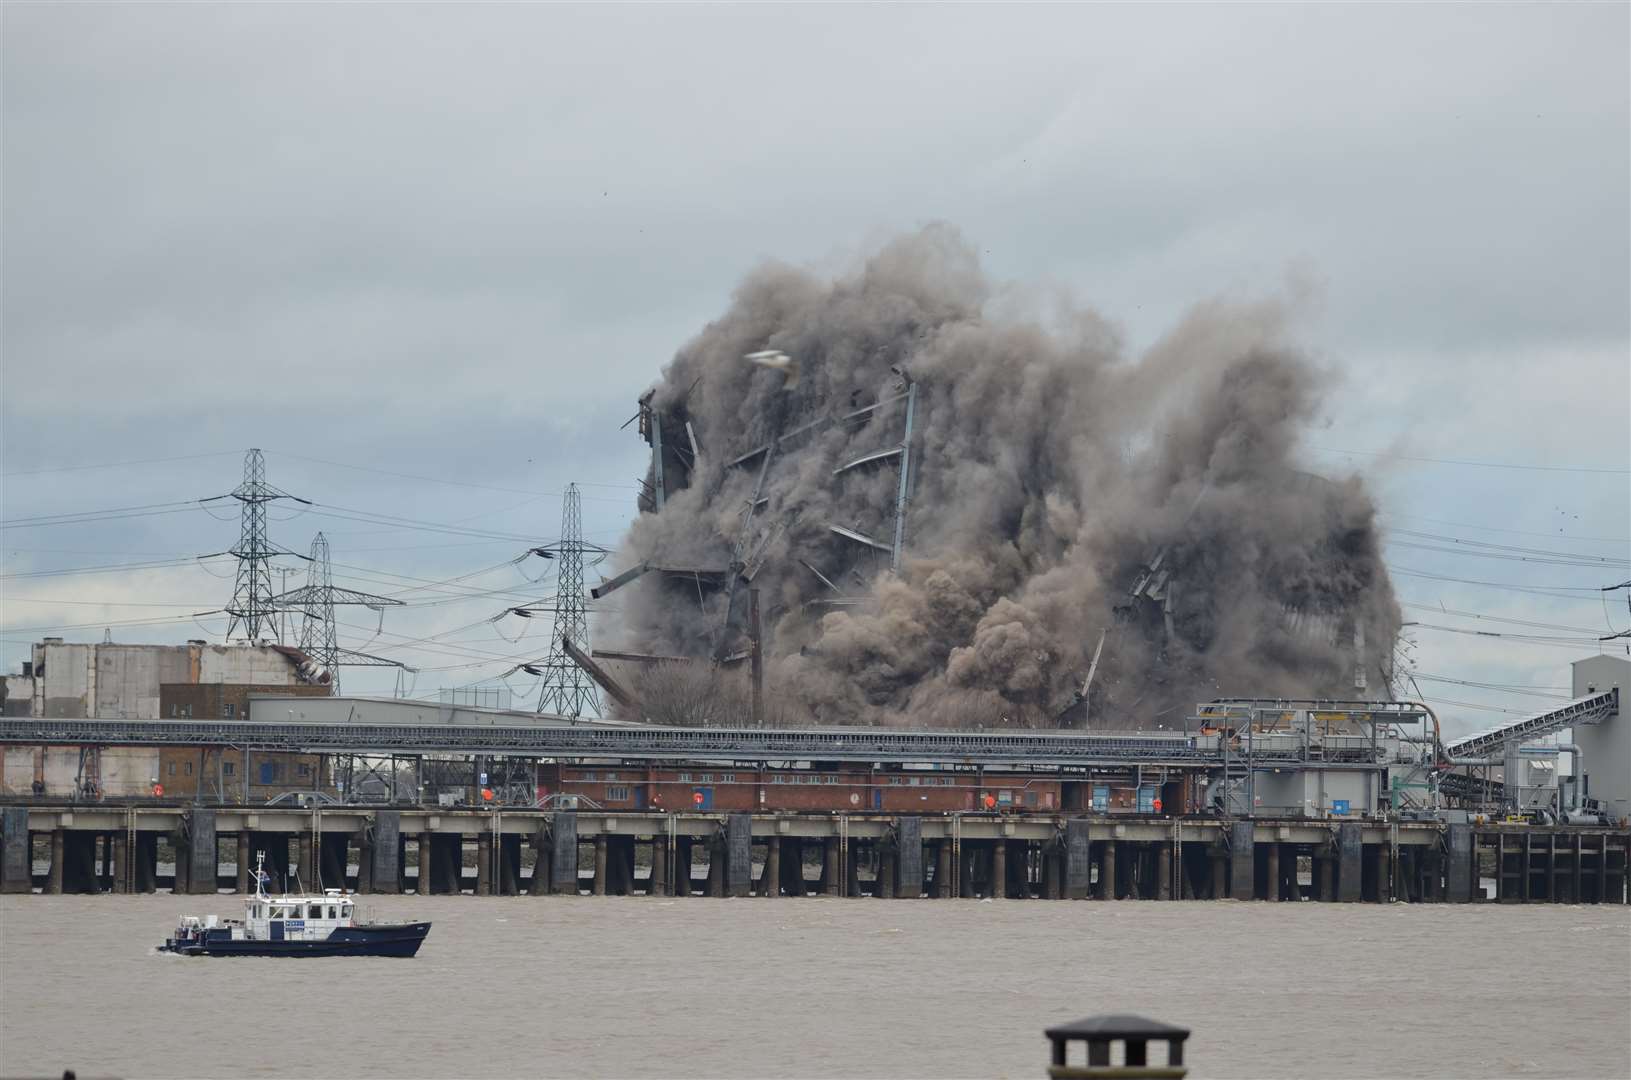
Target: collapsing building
x: 941, y: 509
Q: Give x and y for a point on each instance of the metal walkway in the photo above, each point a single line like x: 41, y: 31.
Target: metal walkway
x: 1591, y: 709
x: 645, y: 743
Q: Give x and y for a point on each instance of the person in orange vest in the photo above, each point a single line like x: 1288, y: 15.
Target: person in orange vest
x: 1156, y: 804
x: 486, y: 794
x: 158, y: 790
x: 989, y: 801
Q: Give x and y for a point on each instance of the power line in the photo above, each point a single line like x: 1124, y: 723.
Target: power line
x: 1487, y: 546
x: 1439, y: 608
x: 120, y: 464
x: 1560, y: 592
x: 104, y: 569
x: 454, y: 483
x: 91, y: 517
x: 1476, y: 464
x: 1537, y: 560
x: 1511, y: 532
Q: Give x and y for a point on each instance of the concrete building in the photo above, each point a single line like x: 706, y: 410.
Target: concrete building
x: 1605, y: 748
x: 110, y: 681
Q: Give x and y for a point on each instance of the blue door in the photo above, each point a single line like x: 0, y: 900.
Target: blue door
x: 1146, y: 799
x: 707, y: 800
x: 277, y: 929
x: 1101, y: 797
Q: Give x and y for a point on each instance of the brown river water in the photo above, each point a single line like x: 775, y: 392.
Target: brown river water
x: 636, y: 986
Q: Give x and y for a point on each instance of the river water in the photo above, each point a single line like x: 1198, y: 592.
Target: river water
x: 635, y: 986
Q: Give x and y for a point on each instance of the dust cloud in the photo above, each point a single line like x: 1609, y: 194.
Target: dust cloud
x: 1062, y: 492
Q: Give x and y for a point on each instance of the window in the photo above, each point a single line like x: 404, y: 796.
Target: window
x: 707, y: 778
x: 619, y: 793
x: 727, y: 778
x: 172, y: 768
x: 589, y: 776
x: 314, y: 911
x: 778, y: 778
x: 915, y: 781
x: 228, y: 768
x: 229, y: 710
x: 611, y: 776
x: 685, y: 778
x: 279, y: 911
x: 187, y: 768
x: 305, y: 770
x: 333, y: 912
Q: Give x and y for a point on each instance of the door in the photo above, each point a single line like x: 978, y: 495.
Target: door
x: 277, y: 929
x: 1146, y: 799
x: 877, y: 798
x: 703, y: 798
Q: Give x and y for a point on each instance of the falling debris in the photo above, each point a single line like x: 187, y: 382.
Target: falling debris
x: 971, y: 507
x: 777, y: 361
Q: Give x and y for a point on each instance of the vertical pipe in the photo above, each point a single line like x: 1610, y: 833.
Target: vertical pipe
x: 599, y: 887
x: 658, y: 885
x: 833, y: 871
x: 999, y: 869
x: 243, y: 862
x: 1108, y: 875
x: 53, y: 881
x: 773, y: 846
x: 757, y: 658
x: 121, y: 860
x: 1273, y: 883
x: 484, y: 863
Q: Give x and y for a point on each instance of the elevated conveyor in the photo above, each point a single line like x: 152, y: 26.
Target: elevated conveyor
x: 635, y: 743
x: 1591, y: 709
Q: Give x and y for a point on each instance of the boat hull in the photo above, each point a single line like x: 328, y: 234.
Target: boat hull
x: 401, y: 940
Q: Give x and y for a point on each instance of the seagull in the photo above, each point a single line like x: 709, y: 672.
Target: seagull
x: 776, y: 360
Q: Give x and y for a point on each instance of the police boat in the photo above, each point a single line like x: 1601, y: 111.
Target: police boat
x: 294, y: 925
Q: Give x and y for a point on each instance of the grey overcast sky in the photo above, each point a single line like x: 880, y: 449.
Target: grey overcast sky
x: 428, y: 256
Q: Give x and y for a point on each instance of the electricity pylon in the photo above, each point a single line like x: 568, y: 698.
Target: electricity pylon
x: 319, y: 638
x: 568, y: 690
x: 251, y: 605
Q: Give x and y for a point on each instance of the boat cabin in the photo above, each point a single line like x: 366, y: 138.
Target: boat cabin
x: 297, y: 918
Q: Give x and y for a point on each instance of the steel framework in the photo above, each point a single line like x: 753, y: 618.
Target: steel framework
x: 1591, y: 709
x: 319, y: 638
x: 568, y: 690
x: 252, y: 605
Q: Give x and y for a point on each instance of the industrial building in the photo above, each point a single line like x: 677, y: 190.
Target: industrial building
x: 110, y: 680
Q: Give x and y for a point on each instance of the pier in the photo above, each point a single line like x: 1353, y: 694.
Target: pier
x: 510, y: 851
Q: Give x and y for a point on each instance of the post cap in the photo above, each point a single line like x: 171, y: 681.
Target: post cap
x: 1118, y: 1026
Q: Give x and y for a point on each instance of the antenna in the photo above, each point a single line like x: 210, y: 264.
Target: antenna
x: 568, y: 689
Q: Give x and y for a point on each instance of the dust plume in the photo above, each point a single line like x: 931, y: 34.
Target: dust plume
x: 1060, y: 491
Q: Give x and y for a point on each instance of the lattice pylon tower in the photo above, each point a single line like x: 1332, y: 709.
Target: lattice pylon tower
x: 251, y: 606
x: 568, y: 690
x: 319, y: 638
